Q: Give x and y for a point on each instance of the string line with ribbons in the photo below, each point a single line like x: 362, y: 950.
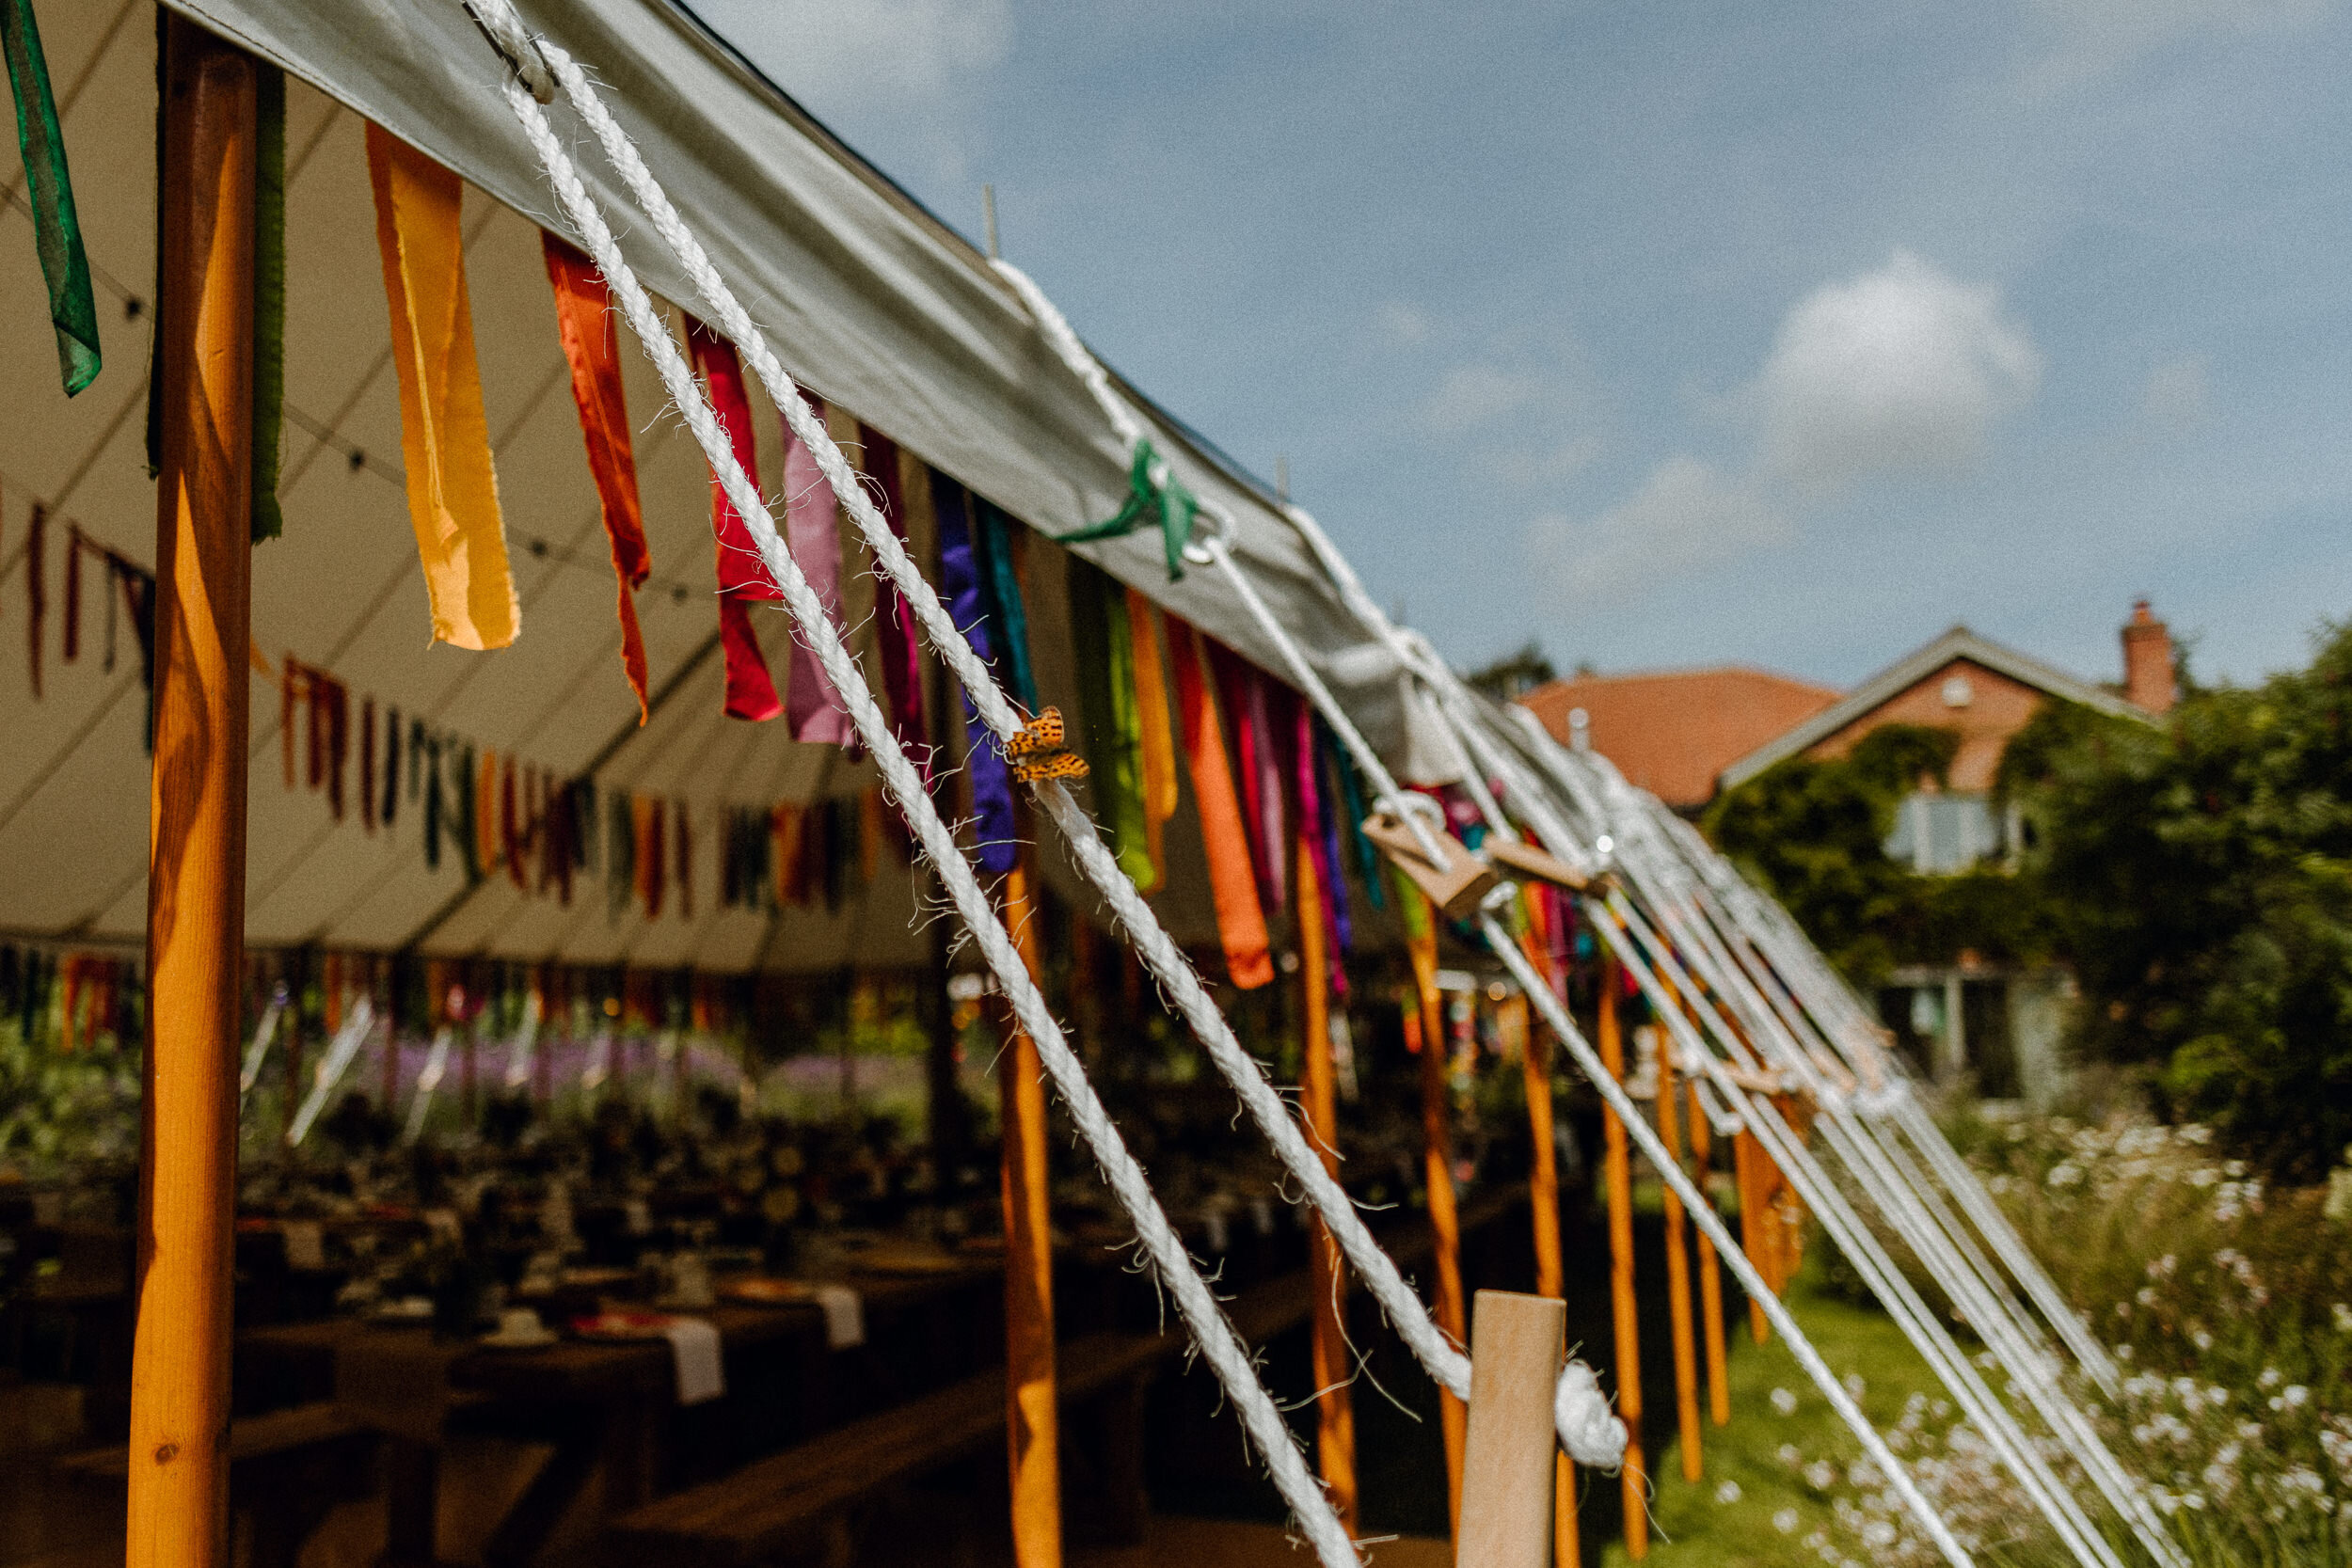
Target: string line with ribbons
x: 1201, y: 1313
x: 1157, y: 950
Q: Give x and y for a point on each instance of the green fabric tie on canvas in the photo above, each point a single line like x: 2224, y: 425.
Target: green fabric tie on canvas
x: 1171, y: 507
x: 56, y: 233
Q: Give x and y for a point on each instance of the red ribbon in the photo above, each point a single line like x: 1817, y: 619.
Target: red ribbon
x: 751, y: 691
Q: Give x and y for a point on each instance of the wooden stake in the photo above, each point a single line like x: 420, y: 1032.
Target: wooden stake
x: 1436, y: 1131
x: 1678, y: 1272
x: 1710, y: 1275
x: 1032, y: 1430
x: 1744, y: 1155
x: 1507, y: 1495
x: 1617, y: 1175
x: 1335, y: 1408
x: 179, y: 1483
x: 1543, y: 1192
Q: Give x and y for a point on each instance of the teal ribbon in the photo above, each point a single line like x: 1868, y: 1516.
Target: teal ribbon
x: 57, y: 231
x: 1170, y: 507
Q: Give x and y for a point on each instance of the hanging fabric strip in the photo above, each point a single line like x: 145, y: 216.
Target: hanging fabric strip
x: 751, y: 693
x: 1324, y: 913
x: 444, y: 438
x: 1232, y: 885
x: 1155, y: 733
x: 57, y: 231
x: 73, y: 592
x: 812, y: 526
x: 36, y: 574
x: 1368, y: 862
x: 1103, y: 643
x: 983, y: 763
x: 435, y: 807
x: 995, y: 543
x: 592, y: 346
x: 391, y: 765
x: 894, y: 618
x: 488, y: 853
x: 1329, y: 769
x: 367, y: 763
x: 269, y: 300
x: 685, y: 865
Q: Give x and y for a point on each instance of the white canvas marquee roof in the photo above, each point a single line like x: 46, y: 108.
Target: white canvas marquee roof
x: 870, y: 300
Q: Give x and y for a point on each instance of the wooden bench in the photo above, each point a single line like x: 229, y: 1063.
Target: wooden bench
x: 800, y: 1501
x: 286, y: 1470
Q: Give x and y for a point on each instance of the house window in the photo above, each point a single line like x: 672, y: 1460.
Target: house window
x: 1936, y: 834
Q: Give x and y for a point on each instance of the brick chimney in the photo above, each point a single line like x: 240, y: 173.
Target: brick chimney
x: 2146, y: 661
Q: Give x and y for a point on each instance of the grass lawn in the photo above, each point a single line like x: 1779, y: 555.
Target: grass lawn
x: 1703, y: 1522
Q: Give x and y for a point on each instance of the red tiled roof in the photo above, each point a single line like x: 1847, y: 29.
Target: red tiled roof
x: 1672, y: 730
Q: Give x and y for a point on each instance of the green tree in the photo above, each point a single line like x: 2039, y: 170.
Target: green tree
x: 2198, y: 878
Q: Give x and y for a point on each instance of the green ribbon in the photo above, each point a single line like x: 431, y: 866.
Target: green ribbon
x: 1103, y: 640
x: 56, y: 233
x: 1171, y: 507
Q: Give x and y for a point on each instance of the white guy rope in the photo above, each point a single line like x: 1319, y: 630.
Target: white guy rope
x: 1157, y: 950
x: 264, y: 1033
x: 1202, y: 1314
x: 332, y: 1067
x: 1728, y: 1247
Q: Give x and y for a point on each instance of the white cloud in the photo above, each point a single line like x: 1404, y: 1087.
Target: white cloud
x: 1551, y: 465
x: 1902, y: 368
x: 2176, y: 397
x: 1470, y: 396
x: 829, y: 51
x: 1402, y: 322
x: 1686, y: 515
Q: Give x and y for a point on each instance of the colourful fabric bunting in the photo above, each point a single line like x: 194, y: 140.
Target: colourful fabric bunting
x: 1169, y: 506
x: 984, y: 765
x: 588, y: 326
x: 997, y: 542
x: 1232, y: 885
x: 813, y: 528
x: 894, y: 618
x: 742, y: 577
x: 1156, y: 734
x: 1103, y: 639
x: 56, y: 230
x: 444, y: 436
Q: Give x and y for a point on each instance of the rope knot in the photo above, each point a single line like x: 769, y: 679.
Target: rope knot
x: 1593, y: 1436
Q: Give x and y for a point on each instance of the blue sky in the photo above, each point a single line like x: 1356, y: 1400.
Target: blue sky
x: 1679, y: 334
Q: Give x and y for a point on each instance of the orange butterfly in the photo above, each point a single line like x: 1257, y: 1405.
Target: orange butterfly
x: 1041, y: 733
x: 1037, y: 753
x: 1053, y: 764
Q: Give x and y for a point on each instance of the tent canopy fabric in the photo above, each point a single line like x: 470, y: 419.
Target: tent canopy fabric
x: 868, y: 299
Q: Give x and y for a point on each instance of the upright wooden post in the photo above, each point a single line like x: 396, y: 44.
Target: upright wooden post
x: 179, y: 1485
x: 1507, y: 1486
x: 1678, y: 1270
x: 1032, y: 1421
x: 1745, y: 1159
x: 1543, y: 1195
x: 1335, y: 1408
x: 1616, y: 1169
x: 1711, y: 1274
x: 1437, y: 1136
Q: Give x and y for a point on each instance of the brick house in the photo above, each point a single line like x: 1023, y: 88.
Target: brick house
x: 1687, y: 736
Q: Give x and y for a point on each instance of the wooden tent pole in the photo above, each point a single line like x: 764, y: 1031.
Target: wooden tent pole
x: 1744, y: 1155
x: 1507, y: 1506
x: 1618, y: 1177
x: 1710, y: 1275
x: 1445, y: 1228
x: 1335, y: 1407
x: 179, y: 1483
x: 1543, y: 1194
x: 1032, y: 1429
x: 1686, y: 1357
